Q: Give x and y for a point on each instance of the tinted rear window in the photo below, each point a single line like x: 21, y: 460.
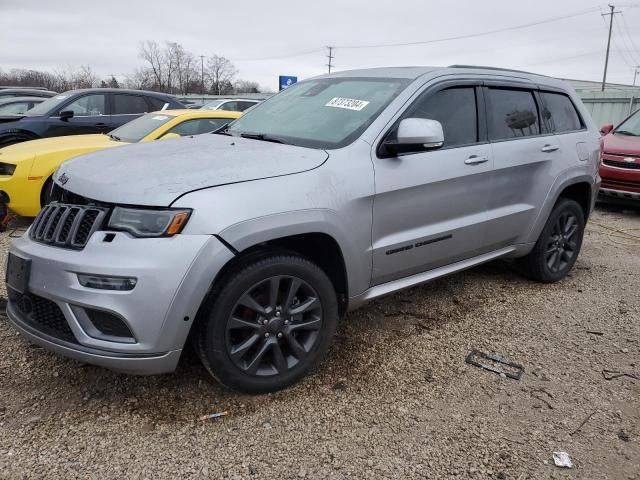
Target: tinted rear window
x: 512, y: 114
x: 129, y: 104
x: 559, y: 113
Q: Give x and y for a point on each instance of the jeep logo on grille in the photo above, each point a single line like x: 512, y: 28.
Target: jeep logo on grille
x: 63, y: 179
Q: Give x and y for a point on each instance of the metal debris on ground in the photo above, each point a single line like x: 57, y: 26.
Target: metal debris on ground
x: 214, y: 415
x: 496, y: 364
x: 612, y: 374
x: 583, y: 422
x: 562, y: 459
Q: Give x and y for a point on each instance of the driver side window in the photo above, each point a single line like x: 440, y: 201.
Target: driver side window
x: 89, y: 105
x: 455, y: 108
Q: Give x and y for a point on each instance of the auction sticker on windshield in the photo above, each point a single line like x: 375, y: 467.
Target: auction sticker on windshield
x: 348, y: 103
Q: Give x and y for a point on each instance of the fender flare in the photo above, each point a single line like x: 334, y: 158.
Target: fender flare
x: 249, y: 233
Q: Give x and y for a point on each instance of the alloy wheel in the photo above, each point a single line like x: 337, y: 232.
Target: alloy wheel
x: 273, y: 326
x: 562, y: 243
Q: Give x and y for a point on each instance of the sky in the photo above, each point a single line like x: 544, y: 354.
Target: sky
x: 267, y: 39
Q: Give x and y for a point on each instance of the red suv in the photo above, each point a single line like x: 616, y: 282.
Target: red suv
x: 620, y: 167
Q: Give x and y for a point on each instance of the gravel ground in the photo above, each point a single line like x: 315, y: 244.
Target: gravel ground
x: 394, y: 399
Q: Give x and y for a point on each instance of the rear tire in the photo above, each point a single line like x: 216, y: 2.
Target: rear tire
x: 267, y: 324
x: 558, y: 246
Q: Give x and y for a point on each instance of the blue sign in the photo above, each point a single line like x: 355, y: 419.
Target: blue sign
x: 286, y: 81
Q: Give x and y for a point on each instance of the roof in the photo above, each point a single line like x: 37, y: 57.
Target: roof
x: 190, y: 113
x: 412, y: 73
x: 21, y: 99
x: 118, y: 90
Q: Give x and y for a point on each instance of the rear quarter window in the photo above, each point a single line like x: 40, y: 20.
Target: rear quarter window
x: 559, y: 113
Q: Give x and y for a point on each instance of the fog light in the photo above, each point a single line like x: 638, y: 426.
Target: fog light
x: 107, y: 283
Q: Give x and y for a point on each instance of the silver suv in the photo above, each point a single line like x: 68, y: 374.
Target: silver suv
x: 253, y: 242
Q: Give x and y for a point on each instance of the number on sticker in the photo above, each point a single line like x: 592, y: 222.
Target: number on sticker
x: 348, y: 103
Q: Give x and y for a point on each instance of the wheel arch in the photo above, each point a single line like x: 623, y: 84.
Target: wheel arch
x: 307, y: 233
x: 579, y: 188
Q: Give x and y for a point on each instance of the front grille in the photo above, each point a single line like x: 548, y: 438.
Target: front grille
x: 67, y: 226
x: 628, y: 165
x: 620, y: 185
x: 42, y: 314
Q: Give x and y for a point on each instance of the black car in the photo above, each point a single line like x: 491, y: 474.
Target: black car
x: 26, y: 92
x: 77, y: 112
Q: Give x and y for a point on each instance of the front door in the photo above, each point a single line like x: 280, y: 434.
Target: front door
x: 430, y: 206
x: 89, y: 116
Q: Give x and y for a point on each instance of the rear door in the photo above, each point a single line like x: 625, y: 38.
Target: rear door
x: 125, y: 107
x: 526, y: 158
x: 90, y: 115
x: 429, y: 208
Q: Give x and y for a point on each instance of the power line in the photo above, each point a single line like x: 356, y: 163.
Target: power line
x: 472, y: 35
x: 627, y: 31
x: 289, y: 55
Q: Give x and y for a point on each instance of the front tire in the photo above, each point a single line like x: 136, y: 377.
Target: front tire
x: 267, y: 324
x: 558, y: 246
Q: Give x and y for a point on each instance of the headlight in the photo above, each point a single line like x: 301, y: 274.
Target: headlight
x: 147, y: 222
x: 7, y: 169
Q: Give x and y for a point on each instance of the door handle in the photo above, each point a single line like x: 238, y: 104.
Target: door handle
x: 550, y: 148
x: 475, y: 160
x: 100, y: 124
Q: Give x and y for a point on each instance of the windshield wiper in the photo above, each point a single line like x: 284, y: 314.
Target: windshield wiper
x: 114, y: 137
x: 261, y: 136
x: 626, y: 132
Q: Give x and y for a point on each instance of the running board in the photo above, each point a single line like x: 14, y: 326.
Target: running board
x: 418, y: 278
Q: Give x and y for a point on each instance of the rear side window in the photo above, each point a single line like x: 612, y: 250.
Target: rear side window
x: 559, y: 113
x: 455, y: 109
x: 129, y: 104
x: 512, y: 114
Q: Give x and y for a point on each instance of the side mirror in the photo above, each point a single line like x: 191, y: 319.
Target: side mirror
x: 66, y: 115
x: 416, y: 135
x: 606, y: 129
x: 167, y: 136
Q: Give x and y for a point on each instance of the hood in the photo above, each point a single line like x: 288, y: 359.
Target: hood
x: 71, y: 143
x: 156, y: 173
x: 626, y: 144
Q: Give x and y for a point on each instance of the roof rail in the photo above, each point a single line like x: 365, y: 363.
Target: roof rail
x: 497, y: 68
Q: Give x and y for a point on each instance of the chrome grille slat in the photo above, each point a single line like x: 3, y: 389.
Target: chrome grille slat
x: 67, y: 226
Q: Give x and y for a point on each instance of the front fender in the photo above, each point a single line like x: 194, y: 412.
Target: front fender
x: 248, y: 233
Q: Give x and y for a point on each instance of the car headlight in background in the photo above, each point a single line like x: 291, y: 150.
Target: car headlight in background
x: 142, y: 222
x: 7, y: 169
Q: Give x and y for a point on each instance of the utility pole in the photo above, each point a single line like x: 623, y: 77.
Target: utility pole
x: 635, y: 74
x: 606, y: 59
x: 330, y: 57
x: 202, y: 74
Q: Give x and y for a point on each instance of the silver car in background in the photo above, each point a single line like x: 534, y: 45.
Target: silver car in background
x: 253, y: 242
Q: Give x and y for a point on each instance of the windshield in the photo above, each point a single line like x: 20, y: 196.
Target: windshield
x: 137, y: 129
x: 631, y: 126
x: 47, y: 105
x: 212, y: 105
x: 325, y: 113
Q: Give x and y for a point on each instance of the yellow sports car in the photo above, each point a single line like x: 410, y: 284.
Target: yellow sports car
x: 26, y: 168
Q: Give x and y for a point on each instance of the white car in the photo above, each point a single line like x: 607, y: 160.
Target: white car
x: 231, y: 104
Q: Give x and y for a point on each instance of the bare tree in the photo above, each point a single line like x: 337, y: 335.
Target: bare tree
x: 221, y: 73
x: 246, y: 86
x: 151, y: 53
